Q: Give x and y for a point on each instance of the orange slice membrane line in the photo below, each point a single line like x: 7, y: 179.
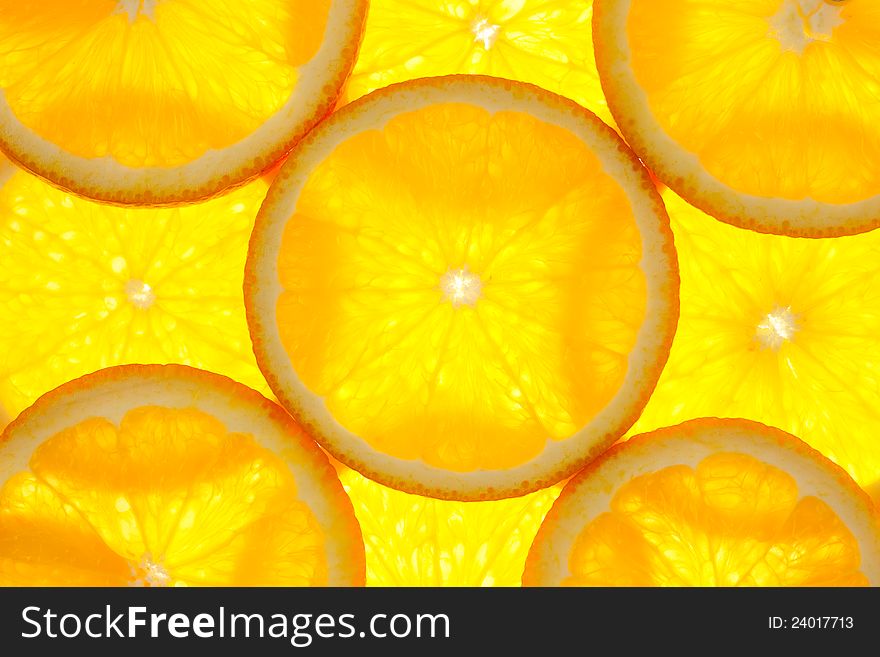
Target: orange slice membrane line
x: 462, y: 285
x: 373, y: 329
x: 169, y: 476
x: 102, y: 485
x: 709, y: 502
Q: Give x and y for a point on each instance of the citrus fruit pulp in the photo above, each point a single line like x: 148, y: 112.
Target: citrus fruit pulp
x: 543, y: 42
x: 779, y: 330
x: 463, y: 286
x: 762, y: 113
x: 169, y: 476
x: 709, y: 503
x: 85, y: 286
x: 411, y: 540
x: 167, y: 102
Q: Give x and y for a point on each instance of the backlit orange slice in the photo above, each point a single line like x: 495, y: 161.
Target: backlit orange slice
x: 167, y: 101
x: 169, y: 476
x: 465, y: 287
x: 709, y: 503
x: 86, y: 285
x: 545, y: 42
x: 762, y: 113
x: 412, y: 540
x: 780, y: 330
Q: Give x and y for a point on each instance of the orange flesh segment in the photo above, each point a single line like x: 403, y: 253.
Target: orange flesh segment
x: 71, y: 266
x: 411, y: 540
x: 776, y: 98
x: 820, y: 382
x: 169, y: 497
x: 368, y: 325
x: 544, y: 42
x: 731, y: 521
x: 159, y: 90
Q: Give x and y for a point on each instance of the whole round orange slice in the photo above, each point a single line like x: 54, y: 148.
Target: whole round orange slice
x: 762, y: 113
x: 709, y: 503
x: 465, y: 287
x: 169, y: 476
x: 161, y: 102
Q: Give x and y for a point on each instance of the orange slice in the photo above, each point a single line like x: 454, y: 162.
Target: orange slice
x: 85, y: 286
x: 466, y: 287
x: 159, y: 102
x: 779, y: 330
x: 411, y: 540
x: 169, y: 476
x: 545, y: 42
x: 762, y: 113
x: 709, y: 503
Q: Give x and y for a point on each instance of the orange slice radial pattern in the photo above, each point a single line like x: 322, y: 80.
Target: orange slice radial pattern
x: 411, y: 540
x: 169, y: 476
x: 779, y: 330
x: 544, y: 42
x: 762, y: 113
x: 709, y: 503
x: 85, y: 285
x: 164, y: 102
x: 465, y: 286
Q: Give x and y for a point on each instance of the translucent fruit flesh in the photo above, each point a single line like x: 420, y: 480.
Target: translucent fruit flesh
x: 369, y: 325
x: 411, y: 540
x: 85, y: 286
x: 153, y: 88
x: 101, y: 504
x: 543, y: 42
x: 783, y: 103
x: 709, y: 502
x: 779, y: 330
x: 731, y: 521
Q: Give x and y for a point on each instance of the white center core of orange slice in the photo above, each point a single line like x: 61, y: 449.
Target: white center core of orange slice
x: 140, y: 294
x: 460, y: 286
x: 150, y: 573
x: 485, y: 33
x: 778, y: 327
x: 137, y: 7
x: 800, y: 22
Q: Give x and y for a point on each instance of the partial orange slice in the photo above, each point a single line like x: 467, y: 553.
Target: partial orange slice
x: 85, y: 285
x: 466, y: 287
x: 779, y: 330
x: 709, y: 503
x: 169, y: 476
x: 545, y: 42
x: 763, y: 113
x: 159, y: 102
x: 411, y: 540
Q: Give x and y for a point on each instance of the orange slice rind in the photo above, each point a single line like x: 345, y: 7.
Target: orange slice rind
x: 169, y: 476
x: 167, y: 102
x: 761, y: 113
x: 710, y: 502
x: 465, y: 287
